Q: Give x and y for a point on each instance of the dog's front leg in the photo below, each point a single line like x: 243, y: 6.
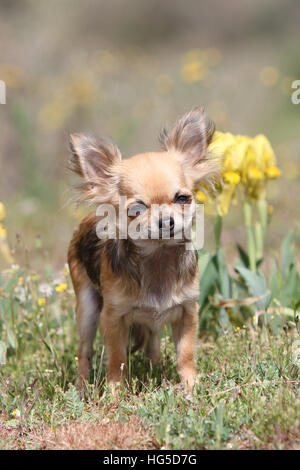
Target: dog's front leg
x: 115, y: 333
x: 185, y: 332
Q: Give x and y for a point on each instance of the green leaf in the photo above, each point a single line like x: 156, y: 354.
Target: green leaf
x: 224, y: 278
x: 292, y: 287
x: 275, y: 282
x: 218, y: 230
x: 287, y: 254
x: 257, y: 286
x: 11, y: 337
x: 243, y: 256
x: 12, y: 423
x: 208, y: 282
x: 203, y: 259
x: 224, y: 319
x: 251, y: 249
x: 74, y: 405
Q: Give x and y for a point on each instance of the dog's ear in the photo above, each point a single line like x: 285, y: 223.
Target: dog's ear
x: 95, y: 160
x: 189, y: 140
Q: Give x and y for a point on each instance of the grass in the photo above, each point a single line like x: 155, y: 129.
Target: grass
x: 247, y: 396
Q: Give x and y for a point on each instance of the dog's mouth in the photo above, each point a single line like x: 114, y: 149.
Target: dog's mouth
x: 165, y: 234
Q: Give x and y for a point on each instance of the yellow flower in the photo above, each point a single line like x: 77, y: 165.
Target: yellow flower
x: 193, y: 72
x: 221, y: 143
x: 2, y: 211
x: 3, y: 233
x: 12, y: 75
x: 225, y: 198
x: 83, y: 89
x: 272, y: 172
x: 254, y: 173
x: 263, y: 153
x: 41, y: 302
x: 193, y: 55
x: 231, y: 177
x: 245, y: 160
x: 61, y: 287
x: 270, y: 210
x: 54, y: 114
x: 269, y: 76
x: 200, y: 196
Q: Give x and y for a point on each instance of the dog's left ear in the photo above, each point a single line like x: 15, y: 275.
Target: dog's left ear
x: 189, y: 139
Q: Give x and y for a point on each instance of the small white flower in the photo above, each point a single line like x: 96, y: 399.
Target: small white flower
x: 45, y: 289
x: 59, y: 280
x: 15, y: 267
x: 20, y: 293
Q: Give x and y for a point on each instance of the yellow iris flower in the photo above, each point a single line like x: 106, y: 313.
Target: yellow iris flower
x: 200, y: 196
x: 246, y: 162
x: 272, y: 172
x: 231, y: 177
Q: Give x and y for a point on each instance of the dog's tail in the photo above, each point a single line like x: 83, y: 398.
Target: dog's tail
x: 139, y: 337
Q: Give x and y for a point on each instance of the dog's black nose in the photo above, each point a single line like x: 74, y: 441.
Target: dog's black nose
x: 166, y: 223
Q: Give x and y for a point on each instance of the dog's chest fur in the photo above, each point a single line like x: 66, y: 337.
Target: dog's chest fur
x: 167, y: 279
x: 151, y: 284
x: 164, y: 277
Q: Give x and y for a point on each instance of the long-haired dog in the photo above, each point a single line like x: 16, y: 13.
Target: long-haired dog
x: 143, y: 282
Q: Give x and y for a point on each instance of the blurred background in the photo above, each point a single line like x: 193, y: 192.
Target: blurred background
x: 124, y: 69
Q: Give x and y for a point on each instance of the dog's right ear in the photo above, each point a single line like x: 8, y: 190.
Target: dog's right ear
x: 95, y: 160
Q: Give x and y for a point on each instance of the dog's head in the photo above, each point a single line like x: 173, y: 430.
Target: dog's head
x: 155, y: 188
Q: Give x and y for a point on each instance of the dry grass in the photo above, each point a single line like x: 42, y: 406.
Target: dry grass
x: 282, y: 440
x: 81, y: 435
x: 97, y: 436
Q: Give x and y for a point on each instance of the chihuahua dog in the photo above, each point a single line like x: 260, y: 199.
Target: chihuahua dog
x: 139, y: 283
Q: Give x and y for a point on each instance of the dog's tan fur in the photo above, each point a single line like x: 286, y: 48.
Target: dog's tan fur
x: 147, y: 283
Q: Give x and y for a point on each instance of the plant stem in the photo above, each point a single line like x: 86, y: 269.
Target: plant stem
x: 247, y: 210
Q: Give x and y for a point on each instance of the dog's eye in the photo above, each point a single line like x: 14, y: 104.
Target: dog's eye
x: 183, y: 199
x: 136, y: 209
